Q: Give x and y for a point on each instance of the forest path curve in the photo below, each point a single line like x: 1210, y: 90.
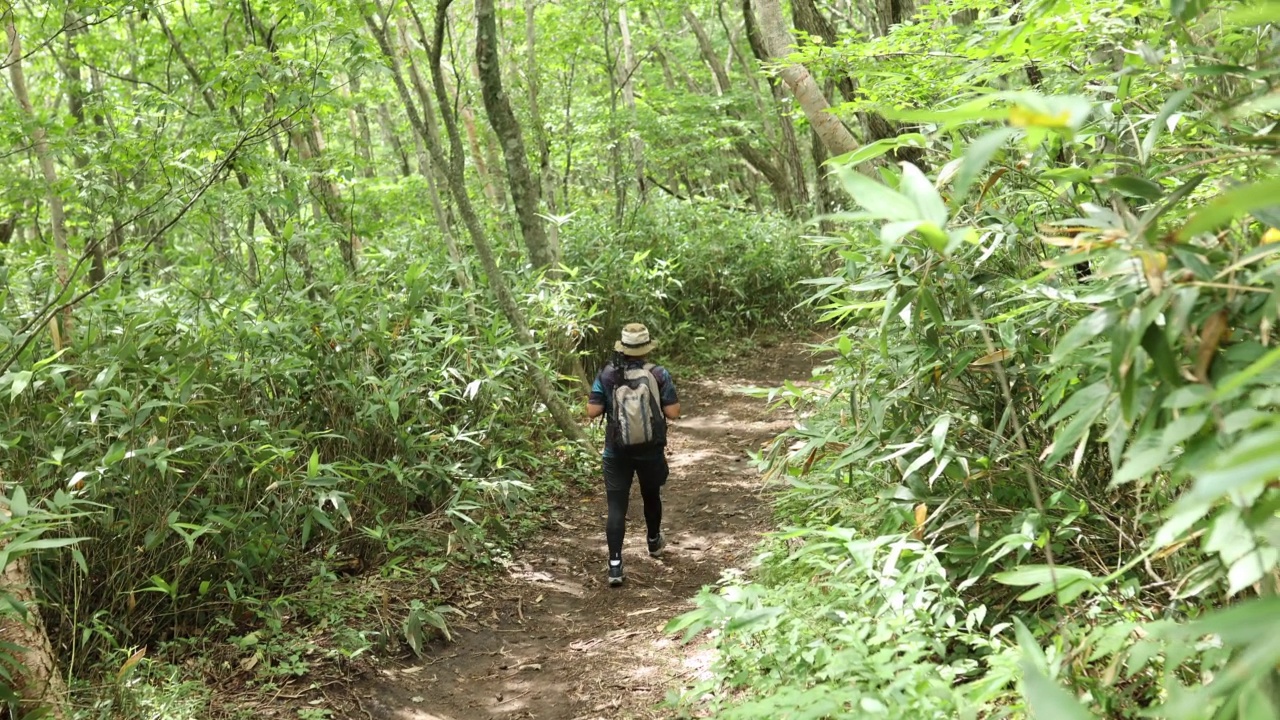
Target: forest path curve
x: 551, y: 640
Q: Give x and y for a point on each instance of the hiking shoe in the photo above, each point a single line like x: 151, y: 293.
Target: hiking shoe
x: 616, y: 576
x: 656, y: 545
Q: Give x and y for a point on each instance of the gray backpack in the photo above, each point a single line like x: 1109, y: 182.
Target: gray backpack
x: 637, y: 413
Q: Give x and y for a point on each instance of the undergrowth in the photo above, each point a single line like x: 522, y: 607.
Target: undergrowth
x: 1038, y: 477
x: 260, y: 486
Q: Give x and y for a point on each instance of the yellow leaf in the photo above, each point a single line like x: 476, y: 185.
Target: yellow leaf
x: 1154, y: 264
x: 134, y: 659
x: 1270, y: 236
x: 922, y: 514
x: 992, y: 358
x: 1025, y: 117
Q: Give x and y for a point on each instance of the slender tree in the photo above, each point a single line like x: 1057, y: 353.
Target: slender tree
x: 455, y: 166
x: 778, y: 42
x: 44, y: 156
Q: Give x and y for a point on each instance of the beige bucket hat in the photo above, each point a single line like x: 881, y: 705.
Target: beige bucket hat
x: 635, y: 341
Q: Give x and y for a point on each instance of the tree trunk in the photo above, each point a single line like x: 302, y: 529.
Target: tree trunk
x: 539, y: 128
x: 38, y: 683
x: 524, y: 191
x: 708, y: 52
x: 426, y: 168
x: 777, y: 41
x: 389, y: 134
x: 615, y: 143
x: 75, y: 103
x: 360, y: 132
x: 458, y: 188
x: 309, y: 143
x: 629, y: 98
x: 45, y: 158
x: 776, y: 176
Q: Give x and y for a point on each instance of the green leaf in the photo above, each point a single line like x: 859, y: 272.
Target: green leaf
x: 1170, y: 107
x: 1260, y: 13
x: 1134, y: 186
x: 1252, y: 461
x: 18, y: 503
x: 1040, y: 574
x: 940, y: 434
x: 1083, y: 332
x: 20, y: 382
x: 1047, y: 700
x: 313, y: 465
x: 1230, y: 205
x: 745, y: 620
x: 917, y: 187
x: 978, y: 156
x: 1237, y: 380
x: 880, y: 201
x: 115, y: 453
x: 876, y: 149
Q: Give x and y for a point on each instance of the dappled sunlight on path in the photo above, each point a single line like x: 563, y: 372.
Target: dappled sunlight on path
x: 552, y: 641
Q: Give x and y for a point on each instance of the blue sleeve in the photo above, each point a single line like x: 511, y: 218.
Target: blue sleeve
x: 666, y: 386
x: 597, y: 396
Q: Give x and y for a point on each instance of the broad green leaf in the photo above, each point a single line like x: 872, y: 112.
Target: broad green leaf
x: 871, y: 151
x: 879, y: 200
x: 1239, y: 379
x: 751, y: 618
x: 1040, y: 574
x: 977, y: 156
x: 1134, y: 186
x: 1231, y: 205
x: 19, y: 382
x: 1170, y: 106
x: 1250, y: 462
x: 1256, y: 13
x: 18, y: 502
x: 917, y: 187
x: 940, y: 434
x: 1084, y: 331
x: 1047, y: 700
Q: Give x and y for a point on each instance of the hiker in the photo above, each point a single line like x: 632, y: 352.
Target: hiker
x: 637, y: 398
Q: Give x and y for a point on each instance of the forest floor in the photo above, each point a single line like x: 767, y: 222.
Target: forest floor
x: 552, y: 641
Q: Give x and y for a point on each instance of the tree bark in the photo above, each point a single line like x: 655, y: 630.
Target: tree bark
x: 810, y: 19
x: 777, y: 41
x: 524, y: 191
x: 39, y: 139
x: 39, y: 684
x: 629, y: 98
x: 360, y: 131
x: 426, y: 168
x: 545, y: 177
x: 389, y: 134
x: 776, y: 176
x: 457, y: 187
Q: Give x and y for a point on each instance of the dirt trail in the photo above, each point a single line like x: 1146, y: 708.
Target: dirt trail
x: 557, y: 643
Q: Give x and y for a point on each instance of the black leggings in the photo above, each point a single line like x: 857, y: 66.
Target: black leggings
x: 618, y: 474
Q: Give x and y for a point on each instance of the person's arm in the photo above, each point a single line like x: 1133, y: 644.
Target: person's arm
x: 670, y: 400
x: 595, y: 401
